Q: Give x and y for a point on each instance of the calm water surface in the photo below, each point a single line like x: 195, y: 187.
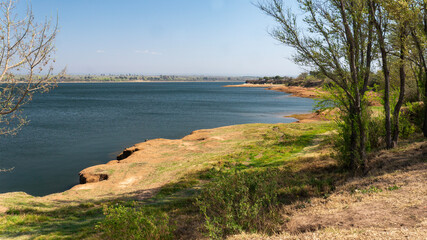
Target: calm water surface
x: 79, y: 125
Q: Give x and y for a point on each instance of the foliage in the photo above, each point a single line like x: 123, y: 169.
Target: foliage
x: 336, y: 40
x: 406, y: 127
x: 123, y: 222
x: 414, y: 114
x: 376, y: 133
x: 348, y: 157
x: 349, y: 126
x: 241, y: 201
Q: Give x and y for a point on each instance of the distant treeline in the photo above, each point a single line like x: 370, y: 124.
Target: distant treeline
x: 160, y: 78
x: 304, y: 80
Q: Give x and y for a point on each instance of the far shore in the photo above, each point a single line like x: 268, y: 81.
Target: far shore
x: 296, y: 91
x: 144, y: 81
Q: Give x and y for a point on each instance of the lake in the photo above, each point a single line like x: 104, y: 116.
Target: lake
x: 78, y: 125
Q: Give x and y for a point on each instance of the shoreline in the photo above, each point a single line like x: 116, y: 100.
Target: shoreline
x: 96, y: 176
x: 295, y: 91
x: 148, y: 166
x: 142, y: 150
x: 362, y: 206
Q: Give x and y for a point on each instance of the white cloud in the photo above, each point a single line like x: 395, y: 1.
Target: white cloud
x: 148, y: 52
x: 100, y: 51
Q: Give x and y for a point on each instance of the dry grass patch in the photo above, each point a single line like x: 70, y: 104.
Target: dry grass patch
x: 387, y: 202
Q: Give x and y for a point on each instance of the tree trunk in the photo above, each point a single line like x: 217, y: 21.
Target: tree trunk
x: 362, y: 137
x: 425, y: 103
x: 386, y: 91
x: 353, y: 140
x: 357, y: 127
x: 425, y: 70
x: 418, y: 79
x: 381, y: 40
x: 402, y: 76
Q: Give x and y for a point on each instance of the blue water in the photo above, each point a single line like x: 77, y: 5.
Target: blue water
x: 79, y: 125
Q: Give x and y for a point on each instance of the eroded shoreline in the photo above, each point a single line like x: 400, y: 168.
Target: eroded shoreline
x: 295, y: 91
x: 137, y: 163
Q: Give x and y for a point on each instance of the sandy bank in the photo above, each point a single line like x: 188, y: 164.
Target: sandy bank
x: 293, y: 90
x: 147, y: 166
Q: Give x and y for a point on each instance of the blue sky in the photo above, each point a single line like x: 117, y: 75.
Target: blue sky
x: 181, y: 37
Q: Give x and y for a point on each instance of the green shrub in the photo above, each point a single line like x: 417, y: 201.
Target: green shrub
x: 406, y: 127
x: 240, y: 201
x: 376, y: 133
x: 134, y: 223
x: 408, y: 121
x: 415, y: 114
x: 347, y: 141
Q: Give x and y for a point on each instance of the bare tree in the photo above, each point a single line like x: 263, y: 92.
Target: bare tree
x: 26, y: 49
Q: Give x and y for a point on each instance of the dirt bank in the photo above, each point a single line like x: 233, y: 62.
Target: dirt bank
x: 305, y: 92
x: 147, y: 166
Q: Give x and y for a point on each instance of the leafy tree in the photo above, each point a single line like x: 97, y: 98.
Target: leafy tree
x: 391, y: 19
x: 380, y: 19
x: 336, y: 39
x: 418, y: 29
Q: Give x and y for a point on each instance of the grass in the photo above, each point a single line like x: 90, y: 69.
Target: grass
x: 215, y: 200
x: 51, y: 222
x: 135, y: 222
x: 282, y: 147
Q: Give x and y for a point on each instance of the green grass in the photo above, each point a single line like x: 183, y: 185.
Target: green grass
x: 68, y: 222
x: 279, y: 144
x: 278, y: 147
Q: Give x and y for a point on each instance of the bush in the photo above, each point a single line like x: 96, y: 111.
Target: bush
x: 376, y: 133
x: 406, y: 127
x: 347, y: 157
x: 241, y: 201
x: 415, y: 114
x: 134, y: 223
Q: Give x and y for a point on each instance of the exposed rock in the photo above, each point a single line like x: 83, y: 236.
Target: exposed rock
x: 91, y: 178
x: 127, y: 152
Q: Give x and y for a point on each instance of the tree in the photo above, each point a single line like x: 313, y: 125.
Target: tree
x: 418, y: 30
x: 401, y: 16
x: 391, y: 19
x: 335, y: 39
x: 26, y: 49
x: 381, y: 22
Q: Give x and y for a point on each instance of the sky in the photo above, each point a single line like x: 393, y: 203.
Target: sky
x: 169, y: 37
